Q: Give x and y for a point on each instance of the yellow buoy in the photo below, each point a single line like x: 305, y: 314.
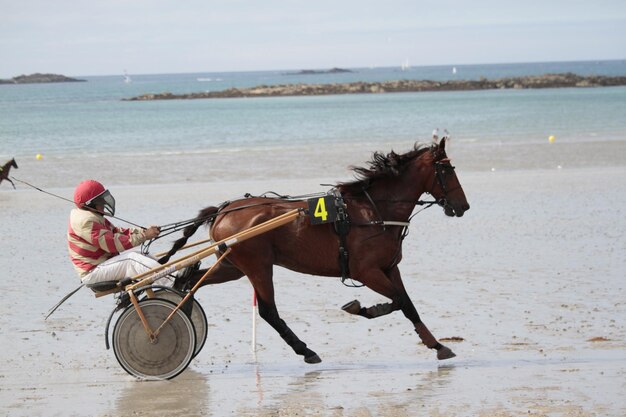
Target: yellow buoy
x: 551, y: 139
x: 39, y: 157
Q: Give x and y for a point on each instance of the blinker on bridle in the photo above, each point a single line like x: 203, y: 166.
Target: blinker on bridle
x: 441, y: 166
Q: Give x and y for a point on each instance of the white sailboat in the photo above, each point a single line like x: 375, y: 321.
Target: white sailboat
x: 127, y: 79
x: 453, y: 70
x: 405, y: 65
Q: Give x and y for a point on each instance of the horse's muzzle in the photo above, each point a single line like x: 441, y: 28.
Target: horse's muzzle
x: 453, y: 210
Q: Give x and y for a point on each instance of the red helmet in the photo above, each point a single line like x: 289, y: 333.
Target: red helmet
x: 91, y: 193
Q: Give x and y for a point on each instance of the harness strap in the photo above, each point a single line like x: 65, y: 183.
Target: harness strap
x: 392, y: 223
x: 380, y: 218
x: 384, y: 223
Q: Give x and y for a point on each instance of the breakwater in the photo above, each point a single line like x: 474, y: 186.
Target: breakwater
x: 541, y: 81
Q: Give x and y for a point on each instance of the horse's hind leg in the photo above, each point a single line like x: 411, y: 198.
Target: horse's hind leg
x: 223, y: 272
x: 269, y: 313
x: 264, y: 288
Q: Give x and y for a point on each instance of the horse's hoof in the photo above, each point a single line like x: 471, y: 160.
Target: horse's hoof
x: 353, y: 307
x: 313, y: 359
x: 445, y: 353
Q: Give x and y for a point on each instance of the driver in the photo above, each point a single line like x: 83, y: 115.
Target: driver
x: 97, y: 248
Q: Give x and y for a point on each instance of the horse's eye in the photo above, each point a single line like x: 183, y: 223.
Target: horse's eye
x: 447, y: 170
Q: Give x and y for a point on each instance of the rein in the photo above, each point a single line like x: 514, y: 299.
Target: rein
x: 170, y: 228
x: 70, y: 201
x: 176, y: 226
x: 383, y: 223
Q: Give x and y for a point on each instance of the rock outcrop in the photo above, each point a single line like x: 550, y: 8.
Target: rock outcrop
x: 40, y: 78
x: 540, y: 81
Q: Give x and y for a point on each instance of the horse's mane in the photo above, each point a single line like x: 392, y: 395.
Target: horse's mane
x: 382, y: 166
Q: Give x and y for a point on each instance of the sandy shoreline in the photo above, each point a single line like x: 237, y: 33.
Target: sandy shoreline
x: 329, y: 164
x: 531, y: 278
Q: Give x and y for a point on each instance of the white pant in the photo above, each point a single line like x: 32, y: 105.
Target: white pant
x: 127, y: 264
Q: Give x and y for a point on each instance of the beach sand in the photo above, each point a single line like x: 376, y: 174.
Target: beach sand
x: 531, y: 280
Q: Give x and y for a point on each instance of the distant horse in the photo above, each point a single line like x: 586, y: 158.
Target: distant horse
x: 4, y: 171
x: 379, y: 204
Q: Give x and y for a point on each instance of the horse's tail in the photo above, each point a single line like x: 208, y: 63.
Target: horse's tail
x: 205, y: 216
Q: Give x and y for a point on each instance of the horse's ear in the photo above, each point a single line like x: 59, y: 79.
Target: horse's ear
x: 436, y: 136
x: 439, y: 149
x: 442, y: 142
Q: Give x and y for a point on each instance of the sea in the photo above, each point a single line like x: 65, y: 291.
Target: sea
x: 92, y: 118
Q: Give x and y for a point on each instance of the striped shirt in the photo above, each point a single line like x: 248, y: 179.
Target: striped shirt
x: 92, y: 239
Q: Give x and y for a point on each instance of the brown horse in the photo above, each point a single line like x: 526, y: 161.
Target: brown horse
x: 378, y: 204
x: 5, y: 169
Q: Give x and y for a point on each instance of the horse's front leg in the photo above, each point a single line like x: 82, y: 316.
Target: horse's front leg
x: 410, y: 312
x: 390, y: 285
x: 376, y: 280
x: 382, y: 309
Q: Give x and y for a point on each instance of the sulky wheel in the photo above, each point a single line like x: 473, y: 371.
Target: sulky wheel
x: 197, y: 316
x: 166, y: 356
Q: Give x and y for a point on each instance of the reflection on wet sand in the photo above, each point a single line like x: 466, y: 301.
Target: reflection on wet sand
x: 259, y: 387
x: 435, y: 380
x: 394, y: 391
x: 185, y: 395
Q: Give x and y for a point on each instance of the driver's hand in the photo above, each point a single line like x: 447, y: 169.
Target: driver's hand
x: 152, y: 232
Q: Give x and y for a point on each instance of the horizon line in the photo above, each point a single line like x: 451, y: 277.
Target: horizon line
x: 123, y: 71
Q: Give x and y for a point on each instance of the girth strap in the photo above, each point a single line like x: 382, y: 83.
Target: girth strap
x: 342, y: 228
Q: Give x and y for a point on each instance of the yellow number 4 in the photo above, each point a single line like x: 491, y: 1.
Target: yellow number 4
x: 320, y: 210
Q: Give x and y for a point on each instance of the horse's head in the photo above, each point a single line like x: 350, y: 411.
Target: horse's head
x: 446, y: 188
x: 13, y: 163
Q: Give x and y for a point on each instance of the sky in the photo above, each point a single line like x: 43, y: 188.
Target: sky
x: 94, y: 37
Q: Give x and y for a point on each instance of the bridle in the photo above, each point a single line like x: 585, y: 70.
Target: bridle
x: 442, y: 169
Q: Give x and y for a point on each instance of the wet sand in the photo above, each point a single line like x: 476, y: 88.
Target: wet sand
x: 531, y: 279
